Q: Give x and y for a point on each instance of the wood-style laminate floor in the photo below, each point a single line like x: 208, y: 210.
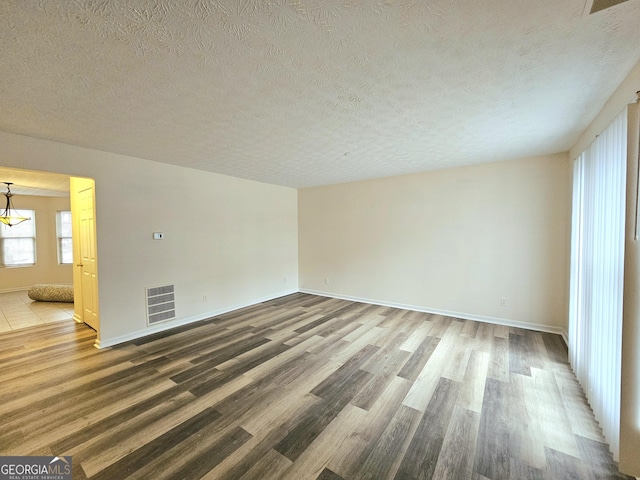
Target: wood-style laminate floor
x: 302, y: 387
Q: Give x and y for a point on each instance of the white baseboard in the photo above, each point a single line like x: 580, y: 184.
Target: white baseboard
x: 465, y: 316
x: 109, y: 342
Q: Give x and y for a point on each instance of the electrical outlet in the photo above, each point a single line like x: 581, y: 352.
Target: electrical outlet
x: 503, y: 302
x: 204, y: 298
x: 326, y: 281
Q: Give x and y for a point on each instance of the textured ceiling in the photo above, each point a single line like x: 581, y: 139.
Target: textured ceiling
x: 312, y: 92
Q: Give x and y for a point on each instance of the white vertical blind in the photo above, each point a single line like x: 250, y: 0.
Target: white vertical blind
x: 597, y: 268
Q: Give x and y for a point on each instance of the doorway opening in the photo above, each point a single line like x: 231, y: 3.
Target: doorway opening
x: 49, y: 195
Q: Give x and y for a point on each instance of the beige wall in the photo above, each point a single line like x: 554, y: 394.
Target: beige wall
x: 454, y: 241
x: 46, y: 269
x: 233, y: 241
x: 630, y: 391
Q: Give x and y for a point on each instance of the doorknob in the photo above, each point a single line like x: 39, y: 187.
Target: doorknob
x: 79, y: 265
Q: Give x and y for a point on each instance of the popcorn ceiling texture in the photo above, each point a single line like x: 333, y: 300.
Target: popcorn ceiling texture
x: 304, y: 93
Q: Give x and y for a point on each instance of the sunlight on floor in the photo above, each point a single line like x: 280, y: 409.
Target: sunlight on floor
x: 17, y: 311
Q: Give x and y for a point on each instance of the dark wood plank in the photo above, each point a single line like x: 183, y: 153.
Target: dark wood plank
x: 521, y: 471
x: 424, y: 450
x: 492, y: 450
x: 309, y: 427
x: 214, y: 453
x: 565, y: 467
x: 250, y: 459
x: 364, y: 438
x: 388, y: 450
x: 125, y: 421
x: 518, y: 355
x: 327, y: 474
x: 499, y: 361
x: 385, y: 373
x: 598, y: 459
x: 419, y: 358
x: 147, y: 452
x: 556, y: 348
x: 457, y: 452
x: 272, y: 465
x: 341, y: 379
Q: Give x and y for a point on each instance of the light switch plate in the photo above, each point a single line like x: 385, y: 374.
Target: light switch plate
x: 158, y: 235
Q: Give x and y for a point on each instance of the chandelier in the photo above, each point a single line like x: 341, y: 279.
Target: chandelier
x: 9, y: 215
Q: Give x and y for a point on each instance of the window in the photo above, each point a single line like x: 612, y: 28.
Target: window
x: 18, y: 243
x: 63, y: 229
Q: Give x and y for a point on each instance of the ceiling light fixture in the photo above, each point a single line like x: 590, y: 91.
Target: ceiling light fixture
x: 9, y: 215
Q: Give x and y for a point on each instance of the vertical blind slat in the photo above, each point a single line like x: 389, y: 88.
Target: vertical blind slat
x: 597, y: 264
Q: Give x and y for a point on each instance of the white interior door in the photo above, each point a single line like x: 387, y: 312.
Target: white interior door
x: 85, y: 255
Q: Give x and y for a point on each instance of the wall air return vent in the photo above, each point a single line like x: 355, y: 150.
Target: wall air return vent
x: 161, y: 305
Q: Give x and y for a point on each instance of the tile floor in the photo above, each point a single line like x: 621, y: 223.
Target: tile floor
x: 17, y: 311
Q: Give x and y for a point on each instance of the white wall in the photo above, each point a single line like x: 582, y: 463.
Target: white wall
x: 46, y: 269
x: 454, y: 241
x: 231, y: 240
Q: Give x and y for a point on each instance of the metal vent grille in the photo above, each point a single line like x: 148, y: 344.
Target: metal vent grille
x: 161, y: 305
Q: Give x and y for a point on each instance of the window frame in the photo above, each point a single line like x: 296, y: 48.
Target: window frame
x: 60, y: 237
x: 3, y: 239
